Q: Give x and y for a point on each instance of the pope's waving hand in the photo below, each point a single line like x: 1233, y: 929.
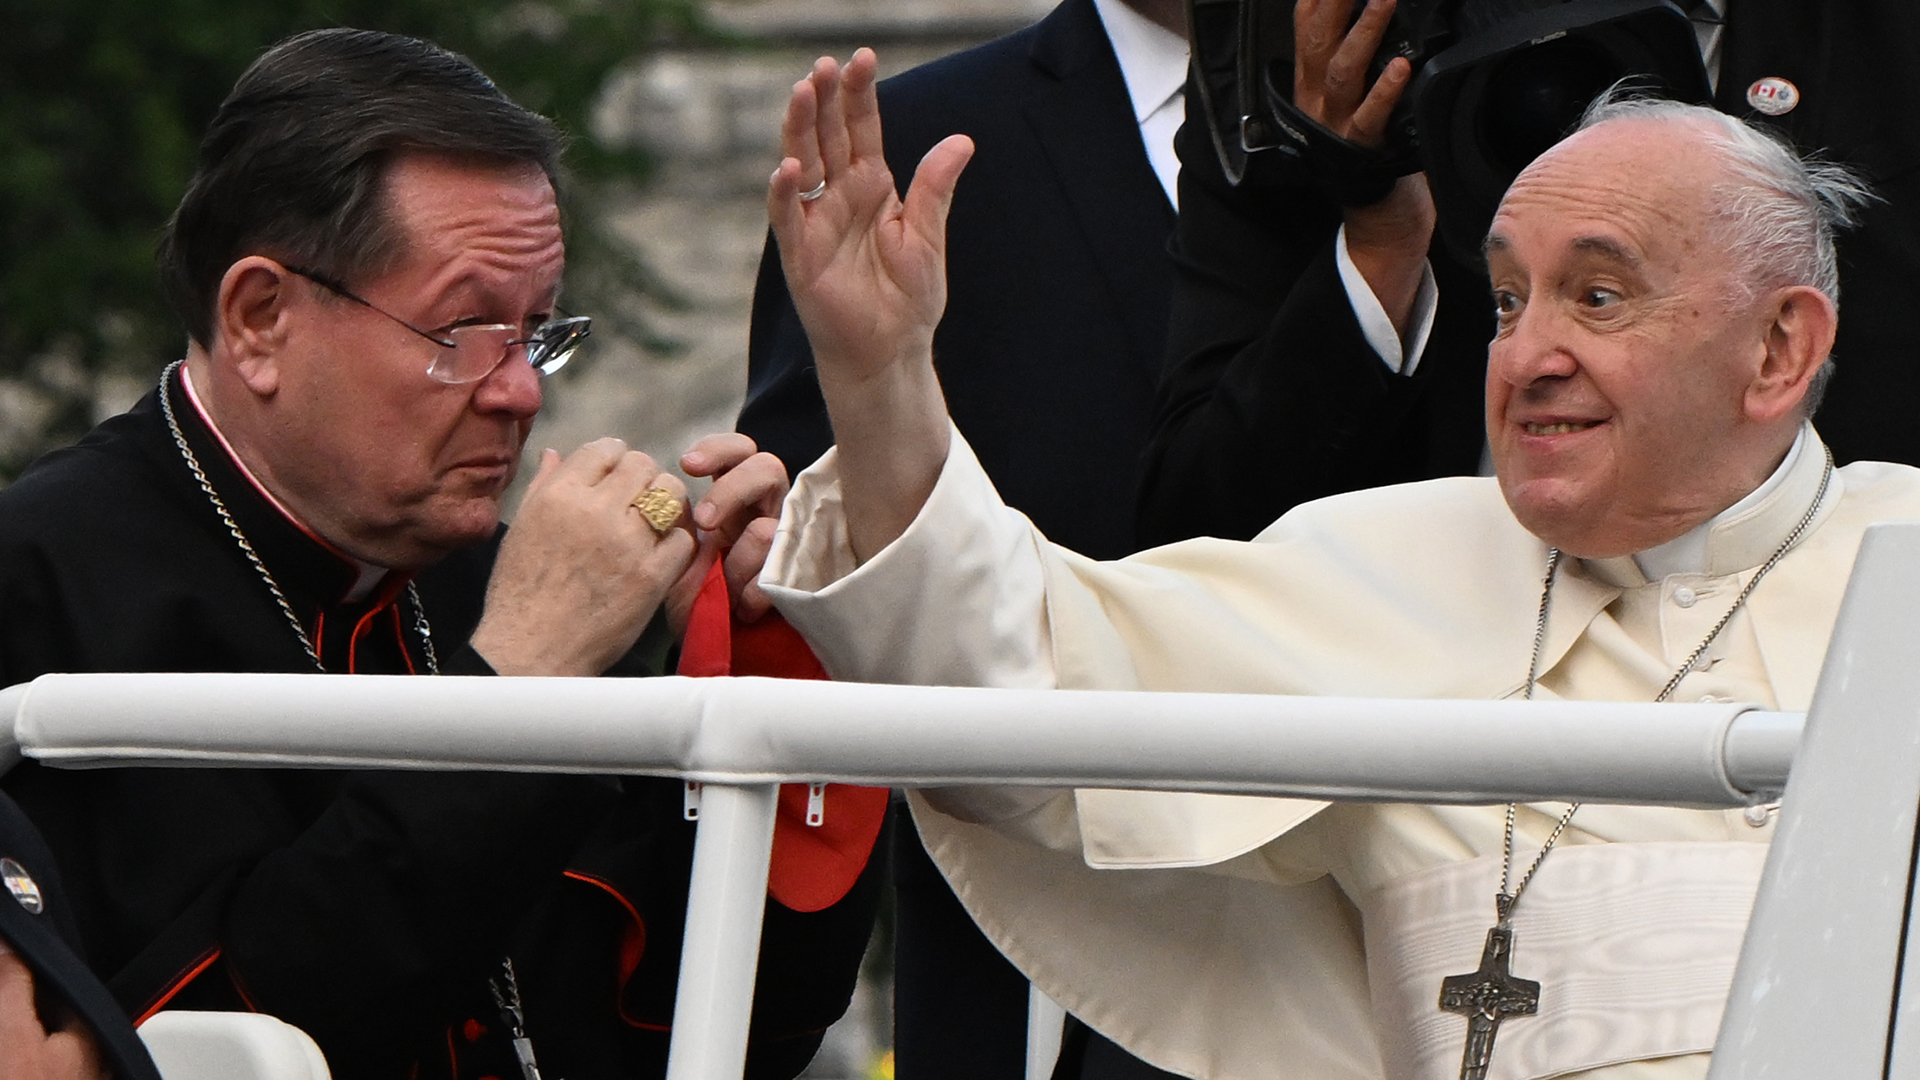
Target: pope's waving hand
x: 868, y: 274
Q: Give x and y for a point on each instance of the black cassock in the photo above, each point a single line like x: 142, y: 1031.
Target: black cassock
x: 369, y: 908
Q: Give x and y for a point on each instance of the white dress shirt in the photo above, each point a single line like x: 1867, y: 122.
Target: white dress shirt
x: 1153, y: 61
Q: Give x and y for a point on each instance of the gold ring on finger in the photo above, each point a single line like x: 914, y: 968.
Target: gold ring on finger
x: 661, y: 508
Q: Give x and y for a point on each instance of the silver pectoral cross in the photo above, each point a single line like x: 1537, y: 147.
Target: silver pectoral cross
x: 1486, y: 997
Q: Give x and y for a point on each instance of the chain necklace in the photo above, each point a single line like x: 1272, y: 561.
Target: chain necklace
x: 420, y: 625
x: 1492, y: 993
x: 506, y: 995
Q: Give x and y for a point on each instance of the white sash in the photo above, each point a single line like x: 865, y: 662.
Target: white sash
x: 1633, y: 944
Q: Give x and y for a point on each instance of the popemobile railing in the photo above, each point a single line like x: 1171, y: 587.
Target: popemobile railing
x: 1817, y: 992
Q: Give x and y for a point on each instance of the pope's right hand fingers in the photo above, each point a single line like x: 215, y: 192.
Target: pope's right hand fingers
x: 862, y: 106
x: 930, y: 196
x: 799, y: 133
x: 830, y: 119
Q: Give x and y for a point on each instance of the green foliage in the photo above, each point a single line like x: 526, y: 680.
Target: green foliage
x: 101, y: 107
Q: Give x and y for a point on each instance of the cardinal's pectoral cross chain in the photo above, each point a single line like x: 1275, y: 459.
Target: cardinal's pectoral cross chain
x: 1486, y: 997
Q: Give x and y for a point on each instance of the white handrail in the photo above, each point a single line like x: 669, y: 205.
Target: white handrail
x: 742, y: 736
x: 756, y: 731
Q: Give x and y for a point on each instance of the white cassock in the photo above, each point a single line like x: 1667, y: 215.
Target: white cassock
x: 1237, y: 937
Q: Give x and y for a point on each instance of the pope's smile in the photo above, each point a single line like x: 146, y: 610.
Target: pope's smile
x: 1563, y: 427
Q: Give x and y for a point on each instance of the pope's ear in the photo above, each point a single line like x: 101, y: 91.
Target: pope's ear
x: 1799, y: 326
x: 250, y: 322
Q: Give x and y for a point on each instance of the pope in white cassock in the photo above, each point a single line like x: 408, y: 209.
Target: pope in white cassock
x: 1665, y: 522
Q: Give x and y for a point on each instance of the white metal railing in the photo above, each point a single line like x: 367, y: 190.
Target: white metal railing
x: 754, y: 731
x: 743, y: 737
x: 1826, y: 903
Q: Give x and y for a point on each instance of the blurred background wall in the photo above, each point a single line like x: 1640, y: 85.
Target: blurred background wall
x: 674, y: 105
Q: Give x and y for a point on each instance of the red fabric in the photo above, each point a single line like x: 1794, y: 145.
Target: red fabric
x: 813, y: 865
x: 178, y: 984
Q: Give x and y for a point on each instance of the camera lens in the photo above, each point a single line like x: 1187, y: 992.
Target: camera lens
x: 1535, y: 96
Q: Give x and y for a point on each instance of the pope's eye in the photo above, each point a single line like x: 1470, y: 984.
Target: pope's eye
x: 1599, y: 298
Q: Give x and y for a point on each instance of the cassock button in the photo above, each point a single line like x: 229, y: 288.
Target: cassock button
x: 1684, y: 596
x: 21, y: 885
x: 1773, y: 96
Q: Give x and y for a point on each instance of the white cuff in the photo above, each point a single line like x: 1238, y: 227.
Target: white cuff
x: 1375, y: 326
x: 959, y: 599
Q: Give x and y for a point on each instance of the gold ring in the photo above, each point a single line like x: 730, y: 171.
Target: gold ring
x: 661, y: 508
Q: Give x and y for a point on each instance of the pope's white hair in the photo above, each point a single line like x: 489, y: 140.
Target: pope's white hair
x: 1777, y: 210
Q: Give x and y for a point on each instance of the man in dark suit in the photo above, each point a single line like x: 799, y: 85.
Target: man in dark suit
x: 1272, y: 397
x: 1057, y: 305
x: 1852, y: 68
x: 1048, y: 356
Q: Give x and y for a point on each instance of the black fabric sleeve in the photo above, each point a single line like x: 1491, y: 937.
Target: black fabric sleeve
x: 404, y: 891
x: 367, y: 907
x: 1271, y: 395
x: 637, y: 869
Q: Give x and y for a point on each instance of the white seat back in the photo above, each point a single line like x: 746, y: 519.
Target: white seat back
x: 190, y: 1045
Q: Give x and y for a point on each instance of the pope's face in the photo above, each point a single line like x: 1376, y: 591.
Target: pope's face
x: 381, y: 459
x: 1615, y: 382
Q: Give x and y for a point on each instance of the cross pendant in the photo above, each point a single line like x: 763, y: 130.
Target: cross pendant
x: 1486, y: 997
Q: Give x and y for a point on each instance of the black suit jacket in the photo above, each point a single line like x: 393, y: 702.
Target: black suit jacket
x: 1058, y: 279
x: 1855, y: 65
x: 1272, y: 397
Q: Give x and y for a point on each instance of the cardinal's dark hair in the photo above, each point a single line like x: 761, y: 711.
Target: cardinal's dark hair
x: 294, y: 163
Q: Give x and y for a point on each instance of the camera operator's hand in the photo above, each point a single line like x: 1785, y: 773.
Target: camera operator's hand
x: 1330, y: 68
x: 1387, y: 240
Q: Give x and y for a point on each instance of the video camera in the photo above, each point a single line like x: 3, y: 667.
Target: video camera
x: 1496, y: 82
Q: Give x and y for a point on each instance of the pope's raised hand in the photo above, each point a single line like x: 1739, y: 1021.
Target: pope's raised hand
x: 866, y: 270
x: 868, y: 276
